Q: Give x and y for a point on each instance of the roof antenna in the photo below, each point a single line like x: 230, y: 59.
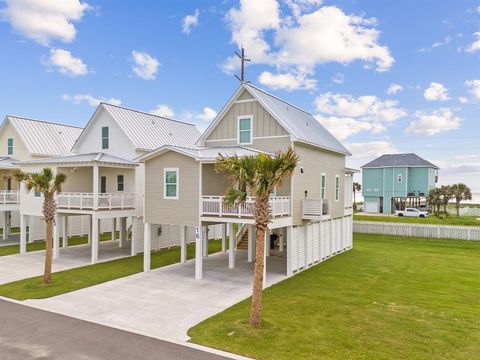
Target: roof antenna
x: 243, y: 59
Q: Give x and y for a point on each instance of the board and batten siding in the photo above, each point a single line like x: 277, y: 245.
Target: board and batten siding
x: 185, y: 209
x: 20, y: 151
x: 213, y: 183
x: 314, y: 162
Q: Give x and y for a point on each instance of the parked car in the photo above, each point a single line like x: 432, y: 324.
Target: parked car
x: 411, y: 212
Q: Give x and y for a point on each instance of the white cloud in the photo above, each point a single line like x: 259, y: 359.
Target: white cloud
x: 342, y: 128
x: 463, y: 100
x: 434, y: 122
x: 474, y: 46
x: 190, y: 21
x: 44, y: 20
x: 371, y: 149
x: 286, y: 81
x: 394, y: 89
x: 473, y: 88
x: 66, y: 63
x: 163, y: 110
x: 92, y: 101
x: 436, y: 92
x: 368, y: 108
x: 145, y: 66
x: 338, y: 78
x: 302, y: 41
x: 207, y: 114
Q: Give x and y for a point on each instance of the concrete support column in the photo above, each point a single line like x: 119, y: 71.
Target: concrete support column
x: 198, y: 254
x: 147, y: 246
x: 251, y: 237
x: 5, y: 226
x: 281, y: 241
x: 31, y: 221
x: 224, y: 237
x: 114, y: 225
x: 288, y: 233
x: 56, y: 238
x: 231, y: 246
x: 94, y: 239
x: 267, y: 242
x: 133, y: 240
x: 265, y: 259
x: 8, y: 215
x: 65, y: 231
x: 205, y: 240
x: 183, y: 243
x: 23, y: 233
x: 89, y: 229
x: 123, y: 232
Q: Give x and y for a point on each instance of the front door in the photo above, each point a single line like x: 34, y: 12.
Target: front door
x: 103, y: 184
x: 9, y: 183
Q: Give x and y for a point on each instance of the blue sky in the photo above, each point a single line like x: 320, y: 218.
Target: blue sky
x: 384, y: 76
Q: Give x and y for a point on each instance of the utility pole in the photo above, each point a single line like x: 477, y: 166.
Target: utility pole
x: 243, y: 59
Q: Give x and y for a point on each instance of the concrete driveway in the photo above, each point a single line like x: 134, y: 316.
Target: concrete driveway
x: 166, y: 302
x: 17, y: 267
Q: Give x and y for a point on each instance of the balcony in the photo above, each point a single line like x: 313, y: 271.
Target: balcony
x: 315, y: 209
x: 8, y: 197
x: 87, y: 201
x: 215, y: 206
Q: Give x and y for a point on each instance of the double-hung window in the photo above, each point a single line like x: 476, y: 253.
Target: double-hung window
x: 323, y: 186
x: 120, y: 183
x: 245, y: 129
x: 337, y: 187
x: 105, y: 137
x: 170, y: 189
x: 10, y: 146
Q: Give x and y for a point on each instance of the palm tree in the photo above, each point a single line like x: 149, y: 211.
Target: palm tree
x: 460, y: 192
x: 435, y: 200
x: 257, y: 176
x: 356, y: 187
x: 447, y: 195
x: 48, y: 184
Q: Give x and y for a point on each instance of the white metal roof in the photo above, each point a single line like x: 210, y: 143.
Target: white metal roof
x: 203, y: 154
x: 91, y: 158
x: 149, y: 132
x: 44, y: 138
x: 8, y: 163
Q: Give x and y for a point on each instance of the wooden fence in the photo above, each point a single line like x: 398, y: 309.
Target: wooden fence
x: 418, y: 230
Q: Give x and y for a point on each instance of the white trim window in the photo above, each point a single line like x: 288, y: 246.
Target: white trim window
x: 245, y: 132
x: 337, y: 187
x: 120, y: 183
x: 399, y: 177
x: 170, y: 183
x: 10, y: 146
x: 323, y: 186
x: 105, y: 137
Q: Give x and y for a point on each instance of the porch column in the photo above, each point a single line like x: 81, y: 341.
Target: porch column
x: 8, y: 214
x: 114, y: 225
x: 205, y: 240
x: 89, y: 230
x: 281, y: 240
x: 265, y: 259
x: 224, y: 237
x: 198, y: 254
x: 5, y: 225
x: 123, y: 232
x: 147, y: 246
x: 94, y: 237
x: 133, y: 240
x: 95, y: 187
x: 251, y: 233
x: 65, y: 231
x: 231, y: 246
x: 23, y: 234
x: 56, y: 238
x: 288, y: 233
x: 183, y: 244
x: 31, y: 221
x: 267, y: 242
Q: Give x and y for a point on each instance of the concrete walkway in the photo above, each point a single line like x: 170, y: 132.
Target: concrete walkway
x: 166, y: 302
x: 17, y: 267
x: 12, y: 239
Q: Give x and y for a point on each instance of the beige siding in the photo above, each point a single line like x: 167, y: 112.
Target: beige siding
x: 184, y: 210
x: 20, y: 151
x: 213, y: 183
x: 315, y: 162
x: 245, y: 95
x: 263, y: 123
x: 4, y: 176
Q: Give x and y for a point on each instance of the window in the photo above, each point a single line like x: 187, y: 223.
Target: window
x: 10, y: 146
x: 37, y: 194
x: 399, y: 177
x: 103, y: 184
x: 120, y: 183
x: 170, y: 190
x: 323, y: 186
x: 245, y: 129
x: 105, y: 137
x: 337, y: 187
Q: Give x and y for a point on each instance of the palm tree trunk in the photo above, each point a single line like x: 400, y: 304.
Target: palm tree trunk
x: 457, y: 205
x: 47, y: 275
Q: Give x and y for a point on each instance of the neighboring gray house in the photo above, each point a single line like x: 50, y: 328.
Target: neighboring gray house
x: 312, y: 210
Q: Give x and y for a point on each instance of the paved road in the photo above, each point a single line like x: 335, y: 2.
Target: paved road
x: 28, y: 333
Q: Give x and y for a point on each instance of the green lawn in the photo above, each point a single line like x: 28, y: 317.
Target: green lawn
x: 453, y: 220
x: 388, y: 298
x: 40, y: 245
x: 82, y: 277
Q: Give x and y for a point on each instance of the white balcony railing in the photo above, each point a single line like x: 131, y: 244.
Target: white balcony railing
x: 215, y: 205
x: 86, y: 201
x: 315, y: 208
x: 9, y: 197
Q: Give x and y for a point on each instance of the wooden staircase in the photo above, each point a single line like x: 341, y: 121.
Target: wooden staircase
x: 243, y: 243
